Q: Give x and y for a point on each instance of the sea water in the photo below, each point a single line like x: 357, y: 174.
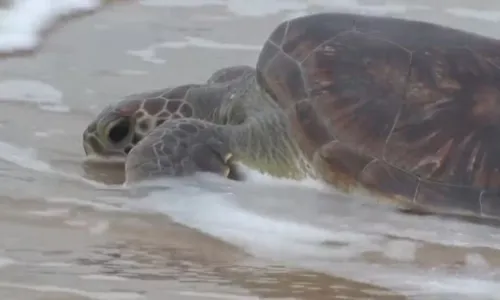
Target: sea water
x: 302, y: 224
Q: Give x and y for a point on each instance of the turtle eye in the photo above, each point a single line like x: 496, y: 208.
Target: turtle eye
x: 118, y: 131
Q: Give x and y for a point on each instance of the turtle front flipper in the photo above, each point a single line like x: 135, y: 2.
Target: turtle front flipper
x: 181, y: 147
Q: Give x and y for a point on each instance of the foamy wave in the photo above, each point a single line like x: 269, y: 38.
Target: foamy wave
x: 22, y: 25
x: 26, y: 158
x: 299, y: 223
x: 148, y: 54
x: 46, y: 96
x: 6, y: 261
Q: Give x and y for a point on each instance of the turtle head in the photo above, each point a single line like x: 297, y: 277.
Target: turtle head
x: 115, y: 131
x: 120, y: 126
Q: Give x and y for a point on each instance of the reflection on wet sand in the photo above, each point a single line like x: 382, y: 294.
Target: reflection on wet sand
x: 109, y: 173
x: 180, y: 254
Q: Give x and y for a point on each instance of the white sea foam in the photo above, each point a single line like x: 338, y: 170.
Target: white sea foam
x: 48, y: 133
x: 27, y: 158
x: 85, y: 203
x: 148, y: 54
x: 22, y: 25
x: 101, y: 277
x: 303, y: 225
x: 50, y: 212
x: 23, y: 157
x: 6, y: 261
x: 208, y: 44
x: 44, y: 95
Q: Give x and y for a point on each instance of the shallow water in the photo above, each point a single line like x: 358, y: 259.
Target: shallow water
x: 69, y: 231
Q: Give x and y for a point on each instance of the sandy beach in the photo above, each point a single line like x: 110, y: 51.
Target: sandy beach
x: 65, y: 232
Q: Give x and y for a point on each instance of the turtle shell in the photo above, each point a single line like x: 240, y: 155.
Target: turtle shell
x: 408, y: 109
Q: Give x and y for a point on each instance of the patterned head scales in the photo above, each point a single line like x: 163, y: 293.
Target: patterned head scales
x: 119, y: 127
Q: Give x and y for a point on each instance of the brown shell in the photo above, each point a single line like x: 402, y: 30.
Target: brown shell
x: 408, y: 109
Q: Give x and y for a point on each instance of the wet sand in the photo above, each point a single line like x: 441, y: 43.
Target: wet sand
x: 57, y: 246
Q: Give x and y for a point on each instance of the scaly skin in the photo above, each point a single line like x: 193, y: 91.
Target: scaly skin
x: 227, y: 120
x: 185, y: 146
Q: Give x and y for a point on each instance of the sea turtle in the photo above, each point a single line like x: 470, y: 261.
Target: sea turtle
x: 405, y: 110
